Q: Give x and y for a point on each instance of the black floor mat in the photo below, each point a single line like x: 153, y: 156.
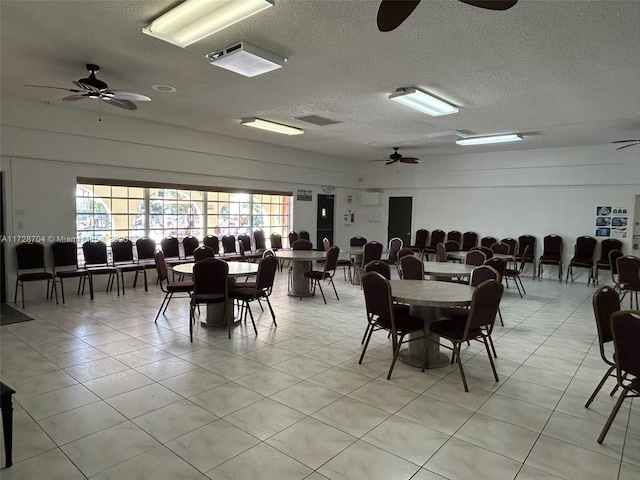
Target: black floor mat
x: 10, y: 315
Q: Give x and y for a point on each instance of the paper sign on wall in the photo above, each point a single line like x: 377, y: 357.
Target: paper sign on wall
x: 611, y: 221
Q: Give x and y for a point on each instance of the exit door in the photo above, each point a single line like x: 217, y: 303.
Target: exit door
x: 324, y: 219
x: 399, y: 223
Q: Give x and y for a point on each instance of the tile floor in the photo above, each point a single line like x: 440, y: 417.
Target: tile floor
x: 104, y: 393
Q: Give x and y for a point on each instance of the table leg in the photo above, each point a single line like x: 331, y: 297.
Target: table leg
x: 7, y: 423
x: 414, y: 354
x: 299, y: 284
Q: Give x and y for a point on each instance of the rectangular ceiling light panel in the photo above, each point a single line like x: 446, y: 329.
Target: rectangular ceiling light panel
x: 271, y: 126
x: 489, y: 139
x: 194, y: 20
x: 246, y: 59
x: 423, y: 102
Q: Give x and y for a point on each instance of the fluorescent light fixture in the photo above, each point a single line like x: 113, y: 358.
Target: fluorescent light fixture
x: 271, y: 126
x: 423, y: 102
x: 489, y: 139
x: 194, y: 20
x: 246, y: 59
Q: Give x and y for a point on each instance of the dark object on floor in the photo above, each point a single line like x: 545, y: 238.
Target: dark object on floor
x: 7, y: 420
x: 9, y: 315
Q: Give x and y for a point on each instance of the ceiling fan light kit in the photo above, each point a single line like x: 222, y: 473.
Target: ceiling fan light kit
x: 423, y: 102
x: 194, y: 20
x: 271, y: 126
x: 246, y: 59
x: 487, y: 139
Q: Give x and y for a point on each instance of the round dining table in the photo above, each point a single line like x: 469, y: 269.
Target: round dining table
x: 215, y: 311
x: 301, y: 262
x: 448, y: 270
x: 461, y: 255
x: 426, y: 299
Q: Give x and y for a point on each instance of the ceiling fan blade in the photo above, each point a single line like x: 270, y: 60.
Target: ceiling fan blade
x: 625, y: 141
x: 116, y: 102
x: 392, y: 13
x: 390, y: 162
x: 124, y: 95
x: 57, y: 88
x: 71, y: 98
x: 86, y: 88
x: 491, y: 4
x: 630, y: 145
x: 409, y: 160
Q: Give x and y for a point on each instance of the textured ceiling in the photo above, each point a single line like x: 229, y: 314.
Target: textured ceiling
x: 563, y: 73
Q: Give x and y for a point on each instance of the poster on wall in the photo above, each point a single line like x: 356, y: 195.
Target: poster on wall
x: 611, y: 221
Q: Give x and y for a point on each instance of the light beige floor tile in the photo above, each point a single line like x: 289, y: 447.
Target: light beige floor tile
x: 264, y: 418
x: 28, y: 437
x: 58, y: 401
x: 51, y: 465
x: 351, y: 416
x: 117, y: 383
x: 43, y: 383
x: 432, y: 413
x: 99, y: 368
x: 226, y: 398
x: 339, y: 380
x: 516, y: 412
x: 143, y: 400
x: 193, y: 382
x: 306, y: 397
x: 383, y: 395
x: 268, y: 381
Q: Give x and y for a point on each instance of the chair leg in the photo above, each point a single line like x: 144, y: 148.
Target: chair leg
x: 456, y: 353
x: 321, y: 291
x: 62, y: 288
x: 612, y: 416
x: 396, y: 352
x: 366, y: 343
x: 273, y: 315
x: 54, y: 289
x: 251, y: 315
x: 604, y: 379
x: 334, y: 288
x: 493, y: 365
x: 165, y: 300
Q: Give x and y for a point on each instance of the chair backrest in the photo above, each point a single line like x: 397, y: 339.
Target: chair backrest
x: 629, y: 271
x: 326, y: 244
x: 170, y: 247
x: 437, y: 236
x: 122, y: 251
x: 189, y: 244
x: 614, y: 255
x: 475, y: 257
x: 422, y: 236
x: 302, y: 245
x: 213, y: 242
x: 500, y: 248
x: 268, y: 253
x: 245, y: 239
x: 380, y: 267
x: 161, y: 267
x: 451, y: 246
x: 229, y: 243
x: 441, y: 252
x: 377, y: 297
x: 487, y: 241
x: 395, y: 244
x: 412, y: 268
x: 95, y: 253
x: 513, y: 244
x: 371, y: 251
x: 241, y: 251
x: 455, y: 236
x: 484, y: 305
x: 625, y: 326
x: 65, y: 254
x: 403, y: 252
x: 357, y: 241
x: 203, y: 252
x: 275, y: 239
x: 483, y: 273
x: 210, y: 276
x: 267, y: 273
x: 31, y: 256
x: 497, y: 263
x: 585, y: 247
x: 606, y: 302
x: 293, y: 236
x: 486, y: 250
x: 469, y: 240
x: 331, y: 262
x: 259, y: 240
x: 523, y: 259
x: 524, y: 241
x: 146, y: 248
x: 304, y: 235
x: 607, y: 245
x: 552, y: 246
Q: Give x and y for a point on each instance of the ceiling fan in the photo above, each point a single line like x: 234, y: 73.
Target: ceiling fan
x: 396, y: 157
x: 630, y: 143
x: 91, y: 87
x: 392, y: 13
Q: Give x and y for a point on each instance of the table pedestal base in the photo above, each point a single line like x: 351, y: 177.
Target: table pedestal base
x: 215, y: 315
x: 299, y: 286
x: 414, y: 354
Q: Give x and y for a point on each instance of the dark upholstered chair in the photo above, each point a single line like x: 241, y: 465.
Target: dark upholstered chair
x: 469, y: 240
x: 189, y: 244
x: 475, y: 257
x: 451, y: 246
x: 614, y: 255
x: 97, y: 263
x: 441, y: 253
x: 343, y: 263
x: 171, y: 249
x: 422, y: 237
x: 454, y: 236
x: 395, y: 244
x: 515, y: 273
x: 382, y: 316
x: 203, y: 252
x: 370, y: 251
x: 210, y: 286
x: 145, y: 252
x: 551, y: 254
x: 316, y: 276
x: 523, y: 242
x: 304, y: 235
x: 513, y: 244
x: 437, y: 236
x: 245, y: 239
x: 477, y: 325
x: 122, y: 259
x: 65, y: 265
x: 487, y: 241
x: 500, y: 248
x: 607, y: 245
x: 583, y: 257
x: 293, y: 236
x: 380, y: 267
x: 412, y: 268
x: 302, y: 244
x: 486, y: 250
x: 259, y: 241
x: 31, y: 268
x: 629, y: 278
x: 213, y: 242
x: 229, y: 244
x: 169, y: 288
x: 625, y: 327
x: 605, y: 303
x: 357, y: 241
x: 275, y: 240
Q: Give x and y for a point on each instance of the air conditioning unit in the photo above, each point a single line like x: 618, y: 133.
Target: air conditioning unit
x: 370, y: 198
x: 246, y: 59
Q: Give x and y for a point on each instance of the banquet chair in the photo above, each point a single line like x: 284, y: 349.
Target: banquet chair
x: 629, y: 278
x: 260, y: 289
x: 625, y: 327
x: 513, y: 245
x: 275, y: 241
x: 169, y: 288
x: 213, y: 242
x: 523, y: 242
x: 451, y: 246
x: 145, y: 251
x: 97, y: 263
x: 316, y: 276
x: 304, y: 235
x: 500, y: 248
x: 357, y: 241
x: 486, y: 250
x: 203, y: 252
x: 395, y: 244
x: 613, y: 267
x: 411, y: 268
x: 404, y: 251
x: 477, y: 325
x: 122, y: 259
x: 605, y: 303
x: 245, y: 239
x: 487, y: 241
x: 380, y: 267
x: 343, y: 263
x: 229, y: 244
x: 422, y: 236
x: 189, y: 244
x: 500, y: 266
x: 607, y: 245
x: 171, y: 249
x: 259, y: 241
x: 382, y: 316
x: 583, y: 257
x: 293, y: 236
x: 441, y: 253
x: 370, y: 251
x: 475, y: 257
x: 437, y: 236
x: 210, y: 286
x: 65, y: 265
x: 246, y: 253
x: 31, y: 268
x: 515, y: 273
x: 551, y: 254
x: 454, y: 236
x: 469, y: 240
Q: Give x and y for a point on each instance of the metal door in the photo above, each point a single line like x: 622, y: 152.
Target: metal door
x: 399, y: 223
x: 325, y: 219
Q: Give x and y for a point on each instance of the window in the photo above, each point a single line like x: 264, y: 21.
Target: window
x: 107, y: 212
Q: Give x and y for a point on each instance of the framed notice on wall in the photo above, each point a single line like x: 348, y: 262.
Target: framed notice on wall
x: 611, y: 221
x: 304, y: 195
